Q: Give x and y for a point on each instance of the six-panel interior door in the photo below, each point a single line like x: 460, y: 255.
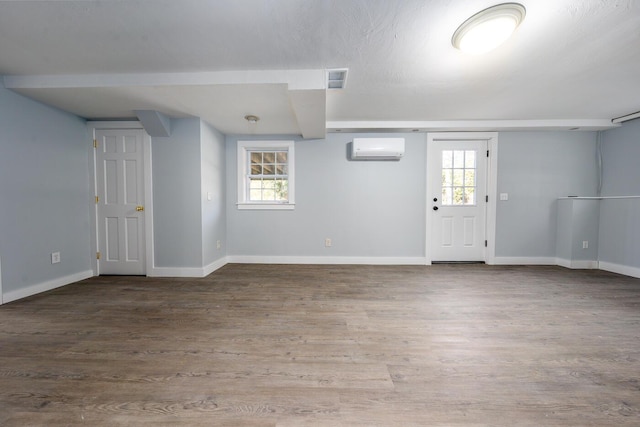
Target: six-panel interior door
x: 457, y: 197
x: 120, y: 210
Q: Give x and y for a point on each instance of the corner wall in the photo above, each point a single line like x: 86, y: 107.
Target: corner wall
x: 213, y: 197
x: 44, y: 196
x: 535, y: 169
x: 619, y: 249
x: 188, y: 167
x: 176, y: 196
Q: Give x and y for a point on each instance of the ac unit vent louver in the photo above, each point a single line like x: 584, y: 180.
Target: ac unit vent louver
x: 377, y: 148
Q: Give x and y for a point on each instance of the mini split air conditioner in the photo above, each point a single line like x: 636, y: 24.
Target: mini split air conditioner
x: 377, y: 148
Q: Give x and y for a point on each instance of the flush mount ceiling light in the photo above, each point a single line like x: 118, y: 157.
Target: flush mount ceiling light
x: 252, y: 119
x: 488, y: 28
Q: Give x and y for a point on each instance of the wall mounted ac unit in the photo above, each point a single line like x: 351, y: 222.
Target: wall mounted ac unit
x: 377, y: 148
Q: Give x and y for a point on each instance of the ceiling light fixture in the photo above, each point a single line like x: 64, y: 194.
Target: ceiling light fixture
x: 252, y: 119
x: 488, y: 28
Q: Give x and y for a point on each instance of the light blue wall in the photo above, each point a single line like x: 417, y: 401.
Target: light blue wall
x: 535, y: 168
x: 44, y: 192
x: 620, y: 233
x: 367, y: 208
x: 578, y: 221
x: 621, y: 160
x: 377, y: 209
x: 214, y: 214
x: 187, y: 166
x: 177, y: 212
x: 620, y: 219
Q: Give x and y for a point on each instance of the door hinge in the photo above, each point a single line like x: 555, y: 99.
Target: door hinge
x: 97, y: 199
x: 97, y: 255
x: 487, y: 153
x: 486, y: 198
x: 95, y: 143
x: 485, y: 243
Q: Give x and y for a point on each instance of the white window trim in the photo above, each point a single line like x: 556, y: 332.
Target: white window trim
x: 243, y: 148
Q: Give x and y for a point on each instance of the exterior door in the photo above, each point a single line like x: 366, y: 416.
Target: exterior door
x: 457, y: 198
x: 120, y: 201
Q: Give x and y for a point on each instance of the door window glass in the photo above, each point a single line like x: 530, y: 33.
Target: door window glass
x: 459, y: 178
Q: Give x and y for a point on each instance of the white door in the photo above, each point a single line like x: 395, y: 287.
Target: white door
x: 120, y: 202
x: 457, y: 198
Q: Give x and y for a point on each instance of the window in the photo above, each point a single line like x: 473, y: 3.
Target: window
x: 265, y: 175
x: 458, y: 177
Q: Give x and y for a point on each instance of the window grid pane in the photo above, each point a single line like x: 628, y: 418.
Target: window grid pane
x: 459, y: 178
x: 268, y: 179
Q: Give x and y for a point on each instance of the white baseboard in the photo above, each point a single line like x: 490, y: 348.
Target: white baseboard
x: 45, y: 286
x: 219, y: 263
x: 508, y: 260
x: 577, y: 264
x: 188, y: 271
x: 257, y: 259
x: 620, y: 269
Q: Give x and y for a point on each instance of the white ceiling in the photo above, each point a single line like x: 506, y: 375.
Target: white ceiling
x: 572, y: 63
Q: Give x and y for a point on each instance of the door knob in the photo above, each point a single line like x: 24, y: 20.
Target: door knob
x: 139, y: 208
x: 435, y: 208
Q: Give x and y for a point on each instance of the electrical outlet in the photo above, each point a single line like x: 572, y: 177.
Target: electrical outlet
x: 218, y: 244
x: 585, y: 244
x: 327, y: 243
x: 55, y: 257
x: 504, y: 196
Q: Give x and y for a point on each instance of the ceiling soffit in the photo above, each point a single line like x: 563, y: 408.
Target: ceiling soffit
x: 288, y: 101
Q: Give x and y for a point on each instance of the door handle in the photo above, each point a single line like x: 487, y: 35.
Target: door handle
x: 139, y: 208
x: 435, y: 208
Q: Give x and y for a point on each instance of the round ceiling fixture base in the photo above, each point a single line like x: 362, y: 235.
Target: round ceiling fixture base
x: 489, y: 28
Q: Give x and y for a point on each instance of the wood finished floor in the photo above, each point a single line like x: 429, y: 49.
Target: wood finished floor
x: 283, y: 346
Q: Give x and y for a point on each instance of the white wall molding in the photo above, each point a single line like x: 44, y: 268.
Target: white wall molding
x: 620, y: 269
x: 467, y: 125
x: 176, y: 272
x: 46, y: 286
x: 215, y: 265
x: 524, y: 260
x: 296, y: 79
x: 188, y: 271
x: 258, y: 259
x: 574, y: 264
x: 577, y: 264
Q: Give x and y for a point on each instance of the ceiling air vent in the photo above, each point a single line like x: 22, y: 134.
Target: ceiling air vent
x: 337, y: 78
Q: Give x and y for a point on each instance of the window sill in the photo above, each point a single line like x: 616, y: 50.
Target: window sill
x: 266, y: 206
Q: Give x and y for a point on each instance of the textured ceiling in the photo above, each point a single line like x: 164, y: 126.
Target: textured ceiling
x: 570, y: 60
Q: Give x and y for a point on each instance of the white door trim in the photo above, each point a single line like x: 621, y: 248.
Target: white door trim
x: 148, y: 190
x: 492, y: 186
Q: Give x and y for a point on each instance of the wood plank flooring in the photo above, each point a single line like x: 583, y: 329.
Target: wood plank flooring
x: 283, y: 346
